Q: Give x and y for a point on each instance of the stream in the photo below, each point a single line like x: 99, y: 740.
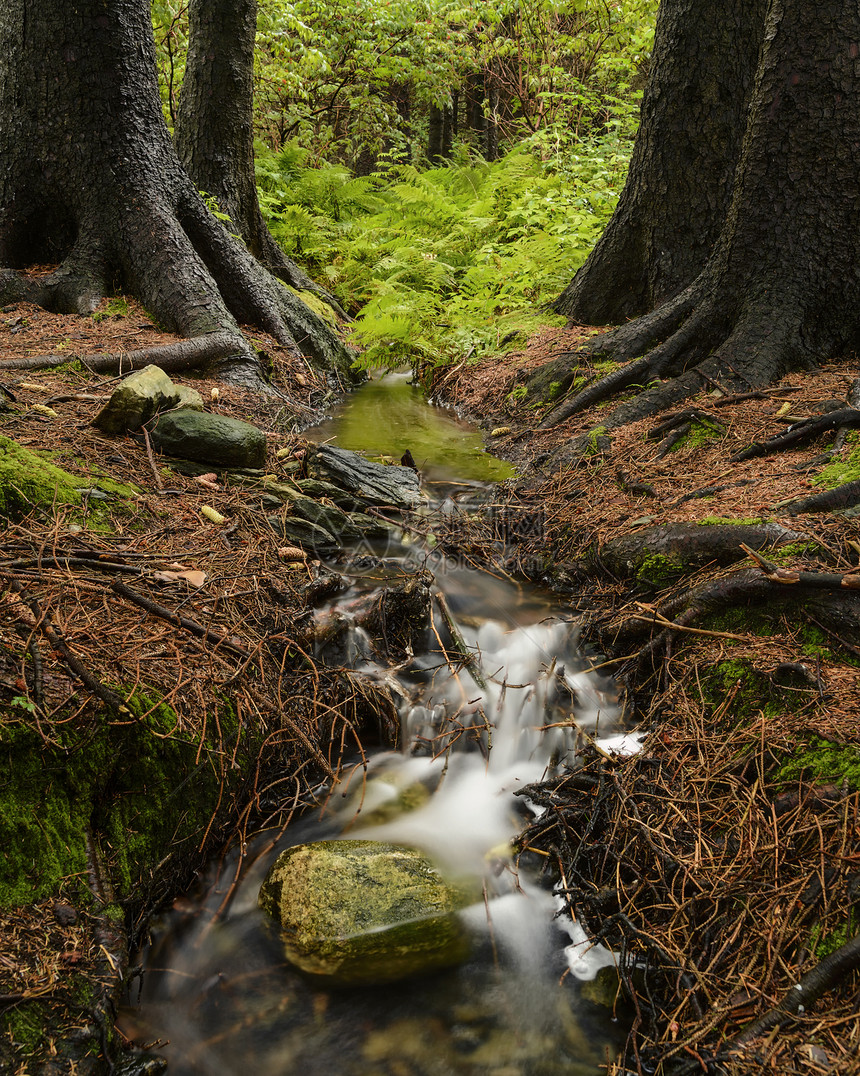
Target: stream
x: 216, y: 997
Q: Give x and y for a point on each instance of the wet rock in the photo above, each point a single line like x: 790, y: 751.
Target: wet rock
x: 364, y: 912
x: 215, y: 439
x: 375, y: 483
x: 310, y: 536
x: 314, y: 487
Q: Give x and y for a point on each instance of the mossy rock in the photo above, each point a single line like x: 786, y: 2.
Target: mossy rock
x: 208, y: 438
x: 364, y: 912
x: 138, y: 788
x: 138, y: 397
x: 29, y: 481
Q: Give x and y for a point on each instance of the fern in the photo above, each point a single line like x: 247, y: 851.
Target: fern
x: 436, y: 263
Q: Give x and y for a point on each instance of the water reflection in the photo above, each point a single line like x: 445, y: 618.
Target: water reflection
x: 389, y: 415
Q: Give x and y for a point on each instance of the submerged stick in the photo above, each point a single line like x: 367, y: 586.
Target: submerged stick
x: 469, y: 658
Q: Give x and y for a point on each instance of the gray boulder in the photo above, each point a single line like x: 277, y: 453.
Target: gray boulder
x: 199, y: 435
x: 140, y: 396
x: 364, y: 911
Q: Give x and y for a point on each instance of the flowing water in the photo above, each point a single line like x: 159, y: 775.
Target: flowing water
x: 216, y: 991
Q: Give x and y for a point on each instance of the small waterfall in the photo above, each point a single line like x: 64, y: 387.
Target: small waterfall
x: 516, y: 707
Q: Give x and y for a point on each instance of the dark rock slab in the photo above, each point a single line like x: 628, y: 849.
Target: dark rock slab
x: 375, y: 483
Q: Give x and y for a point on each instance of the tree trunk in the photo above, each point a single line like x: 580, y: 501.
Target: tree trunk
x: 475, y: 102
x: 435, y: 134
x: 682, y: 170
x: 215, y: 127
x: 781, y: 289
x: 91, y: 180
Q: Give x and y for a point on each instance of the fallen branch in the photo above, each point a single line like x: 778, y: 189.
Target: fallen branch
x: 805, y: 993
x: 61, y: 647
x: 192, y: 626
x: 793, y: 577
x: 845, y: 417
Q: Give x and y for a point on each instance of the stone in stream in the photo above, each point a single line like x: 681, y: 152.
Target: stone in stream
x: 364, y: 912
x: 310, y: 536
x: 140, y: 396
x: 215, y: 439
x: 375, y: 483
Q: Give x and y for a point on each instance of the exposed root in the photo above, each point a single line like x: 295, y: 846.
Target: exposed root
x: 709, y: 346
x: 172, y: 358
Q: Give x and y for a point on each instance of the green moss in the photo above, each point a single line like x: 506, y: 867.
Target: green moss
x: 595, y: 437
x: 658, y: 570
x: 701, y: 432
x: 28, y: 480
x: 728, y: 521
x: 841, y: 471
x: 315, y: 303
x: 822, y: 945
x: 821, y: 762
x: 25, y: 1026
x: 138, y: 788
x: 752, y: 692
x: 114, y: 308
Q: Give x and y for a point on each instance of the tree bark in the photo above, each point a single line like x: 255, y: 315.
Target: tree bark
x: 681, y: 174
x: 215, y: 128
x: 781, y: 289
x: 90, y: 179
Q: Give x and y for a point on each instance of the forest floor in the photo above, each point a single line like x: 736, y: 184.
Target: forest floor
x: 725, y: 857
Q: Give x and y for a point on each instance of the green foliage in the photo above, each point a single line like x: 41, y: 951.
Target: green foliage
x: 448, y: 261
x: 355, y: 79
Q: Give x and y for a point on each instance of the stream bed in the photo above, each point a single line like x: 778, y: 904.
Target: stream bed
x: 217, y: 998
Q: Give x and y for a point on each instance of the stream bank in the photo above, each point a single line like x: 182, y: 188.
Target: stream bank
x: 729, y: 612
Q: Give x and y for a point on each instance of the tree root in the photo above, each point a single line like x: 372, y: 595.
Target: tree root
x: 172, y: 358
x: 845, y: 418
x: 831, y: 500
x: 804, y: 993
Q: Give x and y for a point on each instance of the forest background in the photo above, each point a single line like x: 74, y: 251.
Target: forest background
x: 442, y: 168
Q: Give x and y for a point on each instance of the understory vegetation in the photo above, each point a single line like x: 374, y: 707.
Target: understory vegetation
x: 443, y: 169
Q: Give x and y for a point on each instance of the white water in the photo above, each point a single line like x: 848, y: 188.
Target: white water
x: 474, y: 739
